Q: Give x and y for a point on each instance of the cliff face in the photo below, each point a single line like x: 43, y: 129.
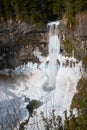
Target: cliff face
x: 75, y: 38
x: 18, y: 41
x: 12, y: 32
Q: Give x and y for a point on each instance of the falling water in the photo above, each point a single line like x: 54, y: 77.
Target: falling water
x: 54, y: 49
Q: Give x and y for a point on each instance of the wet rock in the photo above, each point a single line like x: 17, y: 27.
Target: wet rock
x: 34, y: 104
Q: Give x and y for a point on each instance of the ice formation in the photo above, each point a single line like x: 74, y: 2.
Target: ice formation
x: 29, y: 81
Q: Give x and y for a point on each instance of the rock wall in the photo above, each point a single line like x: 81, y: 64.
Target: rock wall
x: 75, y: 38
x: 18, y: 41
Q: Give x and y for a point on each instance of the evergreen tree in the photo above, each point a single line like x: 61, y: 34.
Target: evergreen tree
x: 2, y: 11
x: 8, y: 9
x: 37, y: 11
x: 58, y: 7
x: 80, y: 5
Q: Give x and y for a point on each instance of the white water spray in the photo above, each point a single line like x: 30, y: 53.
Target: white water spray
x: 54, y: 49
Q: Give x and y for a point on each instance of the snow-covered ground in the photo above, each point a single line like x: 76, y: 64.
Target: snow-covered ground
x: 29, y: 81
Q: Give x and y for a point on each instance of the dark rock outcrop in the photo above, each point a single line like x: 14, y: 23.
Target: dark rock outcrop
x: 33, y: 104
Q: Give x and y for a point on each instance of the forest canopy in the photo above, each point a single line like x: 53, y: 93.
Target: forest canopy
x: 39, y: 11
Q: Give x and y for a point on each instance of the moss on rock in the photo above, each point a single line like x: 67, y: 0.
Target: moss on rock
x: 80, y: 99
x: 69, y: 46
x: 84, y: 60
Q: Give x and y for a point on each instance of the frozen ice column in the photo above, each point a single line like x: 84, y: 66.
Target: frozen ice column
x: 54, y: 49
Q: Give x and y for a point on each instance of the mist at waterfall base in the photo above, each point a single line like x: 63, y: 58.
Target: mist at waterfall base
x: 49, y: 74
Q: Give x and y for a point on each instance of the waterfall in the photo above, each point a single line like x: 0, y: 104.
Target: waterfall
x: 54, y: 49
